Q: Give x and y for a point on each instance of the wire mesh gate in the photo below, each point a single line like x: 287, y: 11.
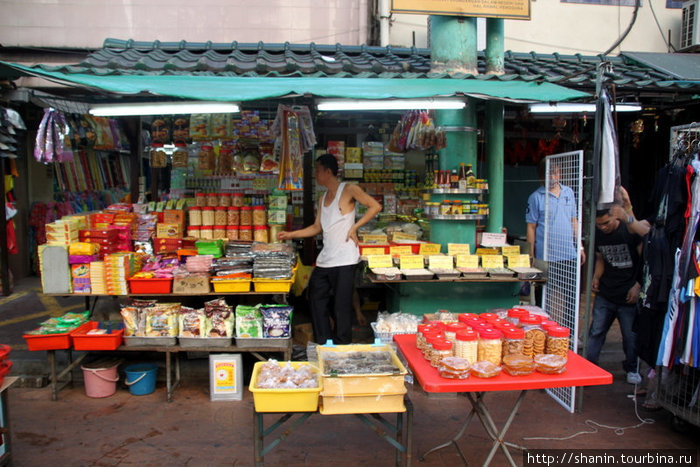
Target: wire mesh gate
x: 562, y: 238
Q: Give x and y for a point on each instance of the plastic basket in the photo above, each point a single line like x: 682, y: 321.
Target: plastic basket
x: 150, y: 286
x: 386, y: 337
x: 51, y: 341
x: 84, y: 341
x: 362, y: 403
x: 284, y: 400
x: 231, y: 285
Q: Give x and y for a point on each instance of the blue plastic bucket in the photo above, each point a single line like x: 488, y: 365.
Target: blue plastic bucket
x: 141, y: 378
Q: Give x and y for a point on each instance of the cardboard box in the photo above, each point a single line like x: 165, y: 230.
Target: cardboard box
x: 353, y: 155
x: 169, y: 230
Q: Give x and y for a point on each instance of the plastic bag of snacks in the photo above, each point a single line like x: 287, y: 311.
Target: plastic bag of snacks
x: 192, y: 322
x: 220, y: 318
x: 485, y: 369
x: 248, y: 321
x: 277, y: 320
x: 62, y: 324
x: 162, y: 320
x: 274, y: 375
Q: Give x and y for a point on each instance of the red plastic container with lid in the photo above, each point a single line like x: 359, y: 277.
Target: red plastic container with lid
x: 548, y: 323
x: 514, y: 315
x: 489, y: 348
x: 464, y: 317
x: 558, y: 341
x: 441, y: 348
x: 513, y: 341
x: 466, y: 345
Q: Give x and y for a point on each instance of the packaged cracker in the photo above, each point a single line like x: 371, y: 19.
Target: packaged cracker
x: 248, y: 321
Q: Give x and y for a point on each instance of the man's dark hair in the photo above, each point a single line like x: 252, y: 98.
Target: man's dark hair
x: 601, y: 212
x: 329, y: 162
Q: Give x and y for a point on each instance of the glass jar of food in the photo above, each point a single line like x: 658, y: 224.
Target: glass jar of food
x: 212, y: 200
x: 260, y: 233
x: 232, y: 232
x: 456, y: 208
x: 535, y: 337
x: 514, y: 315
x: 194, y: 231
x: 246, y: 217
x: 220, y: 216
x: 195, y: 215
x: 233, y: 215
x: 200, y: 200
x: 245, y: 233
x: 225, y: 199
x: 466, y: 345
x: 429, y: 340
x: 159, y: 158
x: 237, y: 199
x: 451, y: 330
x: 441, y: 349
x: 206, y: 232
x: 420, y: 336
x: 208, y: 216
x: 513, y: 341
x: 489, y: 348
x: 219, y: 231
x: 180, y: 155
x: 558, y: 341
x: 259, y: 215
x: 445, y: 208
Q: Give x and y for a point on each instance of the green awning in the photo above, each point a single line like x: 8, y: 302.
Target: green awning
x: 236, y: 88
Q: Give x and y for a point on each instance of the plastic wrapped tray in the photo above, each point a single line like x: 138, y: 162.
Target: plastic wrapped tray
x: 446, y: 274
x: 417, y: 274
x: 205, y: 342
x: 387, y: 274
x: 137, y: 341
x: 386, y: 337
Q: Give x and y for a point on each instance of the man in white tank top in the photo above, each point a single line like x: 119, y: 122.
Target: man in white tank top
x: 332, y: 280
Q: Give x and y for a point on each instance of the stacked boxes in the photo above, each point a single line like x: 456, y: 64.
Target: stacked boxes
x: 80, y: 275
x: 97, y: 278
x: 63, y: 232
x: 118, y: 268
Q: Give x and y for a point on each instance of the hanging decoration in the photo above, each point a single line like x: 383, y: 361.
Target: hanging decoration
x: 293, y: 127
x: 416, y: 130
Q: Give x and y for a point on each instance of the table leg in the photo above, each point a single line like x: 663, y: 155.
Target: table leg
x: 258, y: 439
x: 399, y: 437
x: 459, y: 434
x: 409, y: 431
x: 51, y: 357
x: 490, y: 427
x: 168, y: 379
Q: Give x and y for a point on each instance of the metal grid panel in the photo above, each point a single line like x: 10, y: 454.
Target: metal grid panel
x: 562, y: 240
x: 678, y: 392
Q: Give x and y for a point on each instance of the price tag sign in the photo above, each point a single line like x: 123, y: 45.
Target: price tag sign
x: 397, y: 236
x: 489, y: 239
x: 441, y: 262
x: 519, y: 261
x: 458, y: 249
x: 492, y: 261
x: 374, y: 239
x: 411, y: 262
x: 400, y: 250
x: 486, y: 251
x: 467, y: 261
x: 429, y: 248
x: 510, y: 250
x: 373, y: 251
x: 379, y: 261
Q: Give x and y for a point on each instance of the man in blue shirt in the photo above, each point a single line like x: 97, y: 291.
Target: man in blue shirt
x: 562, y: 221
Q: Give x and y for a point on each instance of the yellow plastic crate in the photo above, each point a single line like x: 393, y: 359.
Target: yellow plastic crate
x: 275, y: 285
x: 363, y: 403
x: 284, y: 400
x: 231, y: 285
x: 365, y: 383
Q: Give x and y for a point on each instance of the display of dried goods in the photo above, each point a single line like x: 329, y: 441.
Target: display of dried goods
x: 358, y: 363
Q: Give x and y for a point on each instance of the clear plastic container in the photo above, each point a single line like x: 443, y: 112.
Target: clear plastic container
x: 195, y: 215
x: 535, y: 337
x: 206, y: 232
x: 466, y: 345
x: 200, y: 200
x: 489, y: 348
x: 465, y: 317
x: 219, y: 231
x: 246, y: 215
x: 220, y: 216
x: 514, y: 315
x: 245, y: 233
x: 485, y: 369
x: 429, y: 341
x: 208, y: 216
x: 454, y: 368
x: 487, y: 316
x: 237, y: 200
x: 233, y: 215
x: 259, y: 215
x: 232, y: 232
x: 194, y: 231
x: 518, y: 365
x: 212, y: 200
x: 420, y: 335
x: 513, y: 341
x: 441, y: 349
x: 558, y: 341
x: 225, y: 199
x: 260, y: 234
x: 451, y: 329
x: 550, y: 364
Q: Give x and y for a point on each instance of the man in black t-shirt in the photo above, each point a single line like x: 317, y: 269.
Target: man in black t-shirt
x: 616, y: 282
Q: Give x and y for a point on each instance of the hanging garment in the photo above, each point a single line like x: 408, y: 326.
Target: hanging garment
x: 609, y: 160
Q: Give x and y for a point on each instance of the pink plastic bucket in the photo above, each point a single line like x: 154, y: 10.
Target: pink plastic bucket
x: 100, y: 382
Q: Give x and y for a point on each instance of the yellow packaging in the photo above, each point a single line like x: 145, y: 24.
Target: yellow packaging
x: 353, y: 155
x: 169, y: 230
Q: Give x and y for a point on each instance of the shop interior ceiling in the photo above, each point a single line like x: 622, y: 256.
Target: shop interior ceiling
x: 261, y: 73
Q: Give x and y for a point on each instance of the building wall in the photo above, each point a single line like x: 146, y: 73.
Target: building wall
x: 86, y: 23
x: 567, y: 28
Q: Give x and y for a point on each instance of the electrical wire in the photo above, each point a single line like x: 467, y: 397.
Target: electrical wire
x: 658, y: 25
x: 619, y: 40
x: 618, y: 430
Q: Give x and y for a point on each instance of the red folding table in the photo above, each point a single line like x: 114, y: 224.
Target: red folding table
x: 579, y: 372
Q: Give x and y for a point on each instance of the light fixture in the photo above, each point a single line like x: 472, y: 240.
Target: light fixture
x: 564, y: 107
x: 389, y: 104
x: 163, y: 108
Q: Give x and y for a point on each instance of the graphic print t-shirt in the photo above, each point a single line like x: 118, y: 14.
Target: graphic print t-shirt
x: 619, y: 250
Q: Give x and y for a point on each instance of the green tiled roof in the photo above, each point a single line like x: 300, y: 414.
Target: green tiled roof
x: 128, y: 57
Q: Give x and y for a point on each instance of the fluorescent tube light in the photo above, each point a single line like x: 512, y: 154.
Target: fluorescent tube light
x: 389, y: 104
x: 163, y: 108
x: 579, y: 108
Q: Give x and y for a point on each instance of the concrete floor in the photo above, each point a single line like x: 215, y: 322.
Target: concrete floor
x: 136, y: 430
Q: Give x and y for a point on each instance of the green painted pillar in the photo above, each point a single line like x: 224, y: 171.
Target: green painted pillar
x: 494, y: 126
x: 494, y: 135
x: 453, y: 44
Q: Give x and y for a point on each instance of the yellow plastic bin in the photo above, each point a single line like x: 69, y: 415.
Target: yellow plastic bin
x: 284, y: 400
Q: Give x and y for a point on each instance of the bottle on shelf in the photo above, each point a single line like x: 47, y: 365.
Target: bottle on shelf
x: 462, y: 185
x: 454, y: 179
x: 471, y: 178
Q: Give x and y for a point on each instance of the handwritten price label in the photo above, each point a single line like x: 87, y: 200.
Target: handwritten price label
x: 379, y: 261
x: 429, y: 248
x: 492, y: 261
x: 458, y: 249
x: 441, y: 262
x: 411, y: 262
x: 400, y: 250
x: 510, y: 250
x: 373, y: 251
x: 467, y: 261
x: 519, y: 261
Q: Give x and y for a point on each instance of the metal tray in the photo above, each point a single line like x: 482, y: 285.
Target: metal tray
x: 134, y: 341
x: 272, y: 342
x: 213, y: 342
